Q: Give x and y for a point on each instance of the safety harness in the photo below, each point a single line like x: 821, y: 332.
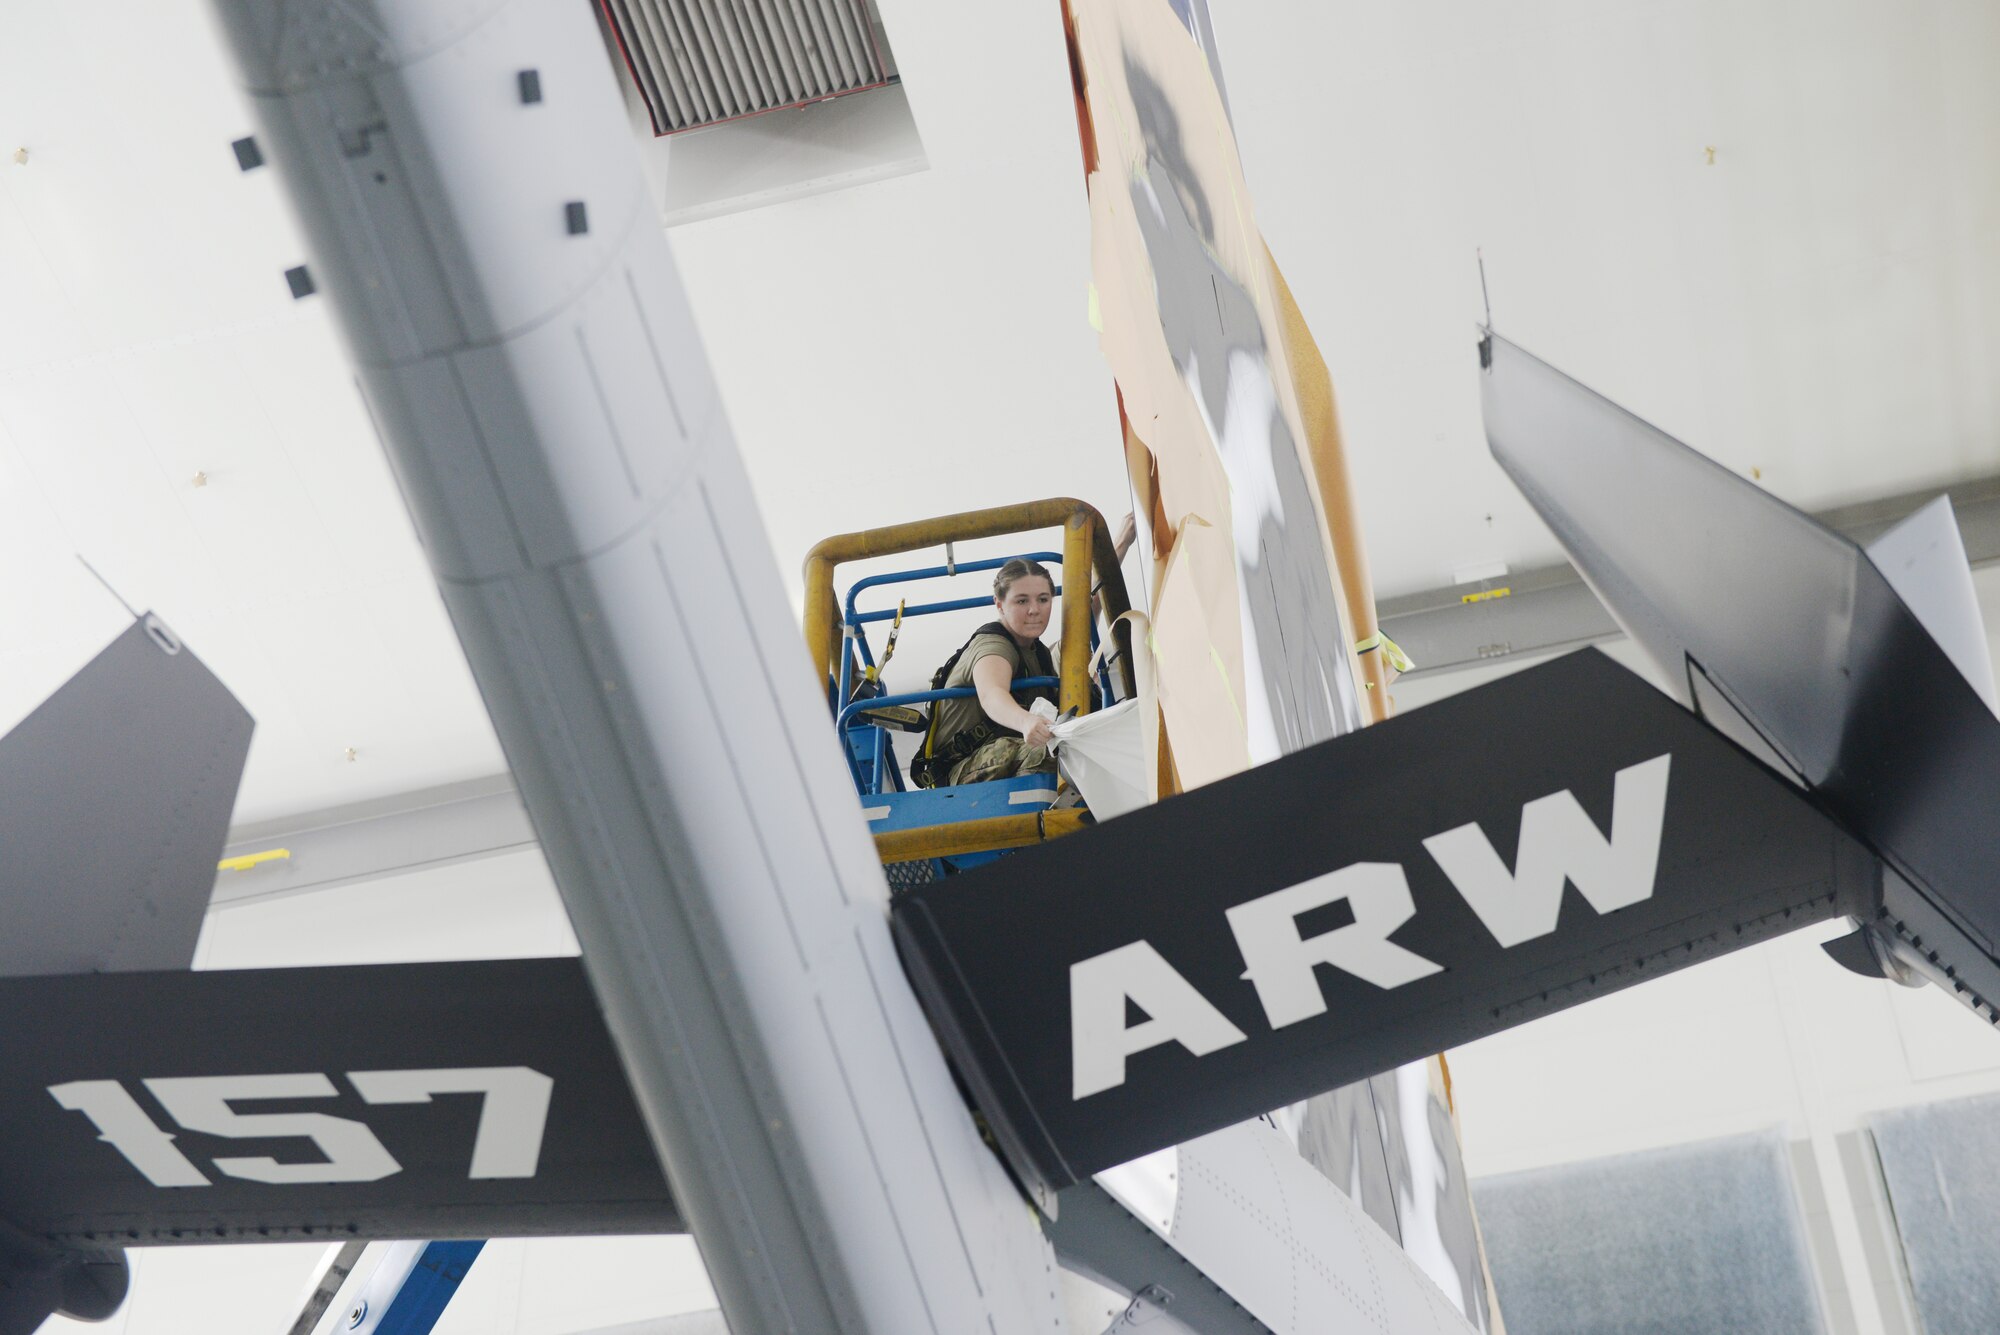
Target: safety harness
x: 931, y: 767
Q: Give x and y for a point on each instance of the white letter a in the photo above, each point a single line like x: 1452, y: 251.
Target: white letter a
x: 1100, y: 1040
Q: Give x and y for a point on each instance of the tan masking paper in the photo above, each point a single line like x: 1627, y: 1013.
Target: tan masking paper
x: 1193, y: 329
x: 1198, y: 657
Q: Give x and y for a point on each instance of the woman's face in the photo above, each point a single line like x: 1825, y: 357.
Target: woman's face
x: 1024, y: 610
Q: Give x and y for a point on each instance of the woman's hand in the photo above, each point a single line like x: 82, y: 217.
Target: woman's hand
x: 1038, y: 733
x: 1128, y: 529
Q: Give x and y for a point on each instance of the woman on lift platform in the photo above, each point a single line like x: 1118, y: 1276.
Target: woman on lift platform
x: 993, y: 735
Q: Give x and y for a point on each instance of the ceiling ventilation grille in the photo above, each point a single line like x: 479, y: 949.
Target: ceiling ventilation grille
x: 700, y: 62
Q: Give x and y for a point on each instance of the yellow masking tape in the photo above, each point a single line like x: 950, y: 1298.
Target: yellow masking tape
x: 1392, y: 652
x: 249, y: 860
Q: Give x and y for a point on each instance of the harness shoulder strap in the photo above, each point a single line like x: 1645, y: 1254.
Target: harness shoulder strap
x: 943, y: 674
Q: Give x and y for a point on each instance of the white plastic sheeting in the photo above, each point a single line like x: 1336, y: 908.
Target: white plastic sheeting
x: 1104, y: 756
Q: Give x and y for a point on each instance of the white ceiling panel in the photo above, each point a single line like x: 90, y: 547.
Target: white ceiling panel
x: 81, y: 471
x: 28, y: 284
x: 1819, y: 304
x: 134, y: 201
x: 501, y: 907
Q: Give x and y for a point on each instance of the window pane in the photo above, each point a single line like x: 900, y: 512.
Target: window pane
x: 1695, y: 1240
x: 1941, y: 1163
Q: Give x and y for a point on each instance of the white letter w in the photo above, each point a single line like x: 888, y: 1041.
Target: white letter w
x: 1560, y: 842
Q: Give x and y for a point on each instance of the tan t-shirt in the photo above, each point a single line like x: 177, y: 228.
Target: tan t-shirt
x: 955, y: 716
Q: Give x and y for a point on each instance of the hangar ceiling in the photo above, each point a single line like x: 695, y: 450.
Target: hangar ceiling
x: 1816, y: 304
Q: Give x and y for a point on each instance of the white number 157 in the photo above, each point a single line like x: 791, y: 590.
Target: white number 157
x: 512, y: 1116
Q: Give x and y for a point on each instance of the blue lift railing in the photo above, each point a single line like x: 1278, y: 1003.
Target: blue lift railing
x: 1086, y: 546
x: 853, y: 619
x: 870, y: 758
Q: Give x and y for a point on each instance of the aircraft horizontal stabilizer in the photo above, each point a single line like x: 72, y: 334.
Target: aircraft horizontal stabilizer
x: 451, y: 1100
x: 1504, y: 853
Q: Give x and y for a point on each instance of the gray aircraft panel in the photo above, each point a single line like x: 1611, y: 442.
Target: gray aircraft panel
x: 1779, y: 630
x: 115, y: 796
x: 1099, y: 1238
x: 526, y: 349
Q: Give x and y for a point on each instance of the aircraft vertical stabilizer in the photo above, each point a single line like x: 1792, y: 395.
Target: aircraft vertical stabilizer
x: 115, y: 797
x: 1854, y: 671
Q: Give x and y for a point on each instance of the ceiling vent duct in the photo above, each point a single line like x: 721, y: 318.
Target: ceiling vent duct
x: 702, y: 62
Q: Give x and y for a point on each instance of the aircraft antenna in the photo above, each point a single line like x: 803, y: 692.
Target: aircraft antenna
x: 107, y: 586
x: 1485, y: 300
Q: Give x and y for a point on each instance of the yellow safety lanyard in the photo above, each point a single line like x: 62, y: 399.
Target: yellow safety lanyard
x: 873, y: 672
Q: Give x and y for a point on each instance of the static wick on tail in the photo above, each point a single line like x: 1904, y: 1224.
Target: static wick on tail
x: 1479, y: 254
x: 94, y: 574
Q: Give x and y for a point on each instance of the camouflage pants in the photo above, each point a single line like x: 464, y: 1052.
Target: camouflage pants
x: 1003, y: 758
